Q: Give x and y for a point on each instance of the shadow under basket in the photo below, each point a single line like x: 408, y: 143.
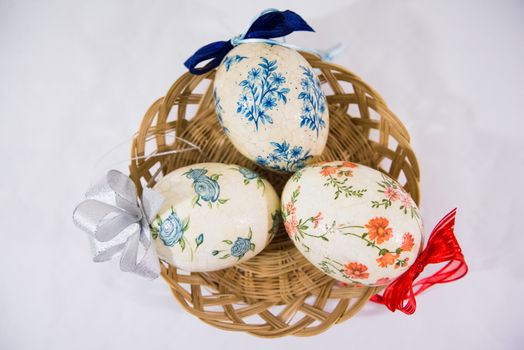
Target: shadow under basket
x: 277, y: 292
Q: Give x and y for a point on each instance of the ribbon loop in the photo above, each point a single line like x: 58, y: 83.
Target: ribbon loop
x: 442, y: 247
x: 269, y: 24
x: 118, y: 222
x: 275, y: 24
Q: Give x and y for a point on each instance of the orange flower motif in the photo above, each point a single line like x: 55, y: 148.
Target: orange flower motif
x: 407, y: 242
x: 290, y: 208
x: 316, y: 219
x: 348, y: 165
x: 291, y: 226
x: 328, y: 171
x: 387, y: 259
x: 378, y: 229
x: 356, y: 270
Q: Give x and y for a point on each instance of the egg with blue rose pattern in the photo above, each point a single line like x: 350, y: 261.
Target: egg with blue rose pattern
x: 214, y: 216
x: 270, y: 104
x: 353, y: 222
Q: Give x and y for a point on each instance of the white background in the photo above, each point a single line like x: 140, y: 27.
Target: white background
x: 77, y: 76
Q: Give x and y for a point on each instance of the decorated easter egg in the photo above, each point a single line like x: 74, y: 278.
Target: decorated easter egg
x: 270, y: 104
x: 354, y: 223
x: 214, y: 216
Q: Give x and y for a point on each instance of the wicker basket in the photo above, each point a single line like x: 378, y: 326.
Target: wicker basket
x: 278, y: 292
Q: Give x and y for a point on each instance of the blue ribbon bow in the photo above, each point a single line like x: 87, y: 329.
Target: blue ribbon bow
x: 270, y: 24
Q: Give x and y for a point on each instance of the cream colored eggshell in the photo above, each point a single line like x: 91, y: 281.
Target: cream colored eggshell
x: 221, y: 209
x: 360, y: 236
x: 256, y: 139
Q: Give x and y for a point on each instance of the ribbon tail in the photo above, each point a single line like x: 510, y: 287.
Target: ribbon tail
x: 215, y: 52
x: 399, y: 295
x: 148, y: 265
x: 452, y: 271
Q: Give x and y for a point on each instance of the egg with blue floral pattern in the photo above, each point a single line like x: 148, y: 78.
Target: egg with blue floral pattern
x: 214, y: 216
x: 353, y: 222
x: 270, y: 104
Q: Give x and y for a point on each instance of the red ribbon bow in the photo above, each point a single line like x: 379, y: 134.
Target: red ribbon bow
x: 442, y: 247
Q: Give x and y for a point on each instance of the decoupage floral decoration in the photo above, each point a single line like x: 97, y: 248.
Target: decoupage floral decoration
x: 331, y: 212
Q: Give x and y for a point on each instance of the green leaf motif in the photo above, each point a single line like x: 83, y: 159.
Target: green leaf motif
x: 185, y: 224
x: 195, y: 200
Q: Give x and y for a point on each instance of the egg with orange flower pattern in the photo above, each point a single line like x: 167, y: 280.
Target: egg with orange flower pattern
x: 353, y: 222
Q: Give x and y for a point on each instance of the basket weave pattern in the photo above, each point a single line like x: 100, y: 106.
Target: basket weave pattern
x: 278, y: 292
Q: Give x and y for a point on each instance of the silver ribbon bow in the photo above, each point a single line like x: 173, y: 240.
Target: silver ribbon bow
x: 117, y: 222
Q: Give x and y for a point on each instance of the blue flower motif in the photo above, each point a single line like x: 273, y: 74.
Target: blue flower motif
x: 285, y: 159
x: 195, y: 174
x: 261, y: 92
x: 248, y: 174
x: 240, y: 247
x: 313, y: 102
x: 278, y: 78
x: 229, y: 60
x: 273, y: 157
x: 207, y: 189
x: 262, y: 161
x: 305, y: 84
x: 171, y: 230
x: 269, y: 103
x: 254, y: 73
x: 307, y: 109
x: 296, y: 151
